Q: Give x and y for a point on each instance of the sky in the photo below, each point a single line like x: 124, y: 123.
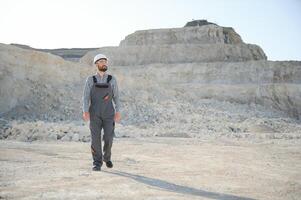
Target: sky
x: 274, y: 25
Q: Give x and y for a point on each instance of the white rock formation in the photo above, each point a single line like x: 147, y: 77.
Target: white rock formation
x: 210, y: 43
x: 168, y: 97
x: 271, y: 84
x: 213, y: 61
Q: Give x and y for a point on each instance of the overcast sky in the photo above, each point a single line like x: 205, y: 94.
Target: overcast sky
x: 275, y: 25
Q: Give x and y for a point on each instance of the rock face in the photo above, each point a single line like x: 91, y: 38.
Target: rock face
x: 198, y: 23
x: 208, y: 43
x: 271, y: 84
x: 73, y: 54
x: 177, y: 94
x: 220, y: 53
x: 37, y: 83
x: 210, y: 34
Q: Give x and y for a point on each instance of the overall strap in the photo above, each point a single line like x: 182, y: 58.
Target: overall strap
x: 109, y: 78
x: 94, y: 79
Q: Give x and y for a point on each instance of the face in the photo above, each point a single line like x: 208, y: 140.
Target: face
x: 102, y: 65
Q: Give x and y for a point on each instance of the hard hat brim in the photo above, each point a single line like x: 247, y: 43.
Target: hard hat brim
x: 100, y: 59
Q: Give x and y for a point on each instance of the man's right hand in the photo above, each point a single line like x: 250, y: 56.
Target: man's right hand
x: 86, y: 116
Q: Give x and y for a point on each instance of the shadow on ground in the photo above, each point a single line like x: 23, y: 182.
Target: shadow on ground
x: 161, y: 184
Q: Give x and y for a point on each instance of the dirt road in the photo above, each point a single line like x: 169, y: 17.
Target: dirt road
x: 153, y: 168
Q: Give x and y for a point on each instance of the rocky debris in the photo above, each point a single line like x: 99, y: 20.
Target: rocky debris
x: 198, y: 119
x: 49, y: 131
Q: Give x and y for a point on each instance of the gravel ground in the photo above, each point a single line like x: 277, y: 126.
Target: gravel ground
x: 153, y: 168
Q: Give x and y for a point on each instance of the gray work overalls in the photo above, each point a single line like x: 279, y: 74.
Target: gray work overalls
x: 101, y: 116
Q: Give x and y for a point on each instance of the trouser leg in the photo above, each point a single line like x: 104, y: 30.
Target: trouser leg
x: 96, y: 147
x: 108, y: 127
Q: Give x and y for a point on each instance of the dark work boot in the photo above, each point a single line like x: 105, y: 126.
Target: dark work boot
x: 109, y: 164
x: 96, y: 168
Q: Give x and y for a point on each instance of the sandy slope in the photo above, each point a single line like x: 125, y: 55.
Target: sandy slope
x: 153, y: 168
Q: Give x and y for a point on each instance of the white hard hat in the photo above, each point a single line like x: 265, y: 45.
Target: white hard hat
x: 98, y: 57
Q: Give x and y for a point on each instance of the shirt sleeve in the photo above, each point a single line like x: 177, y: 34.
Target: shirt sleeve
x: 86, y: 95
x: 116, y: 95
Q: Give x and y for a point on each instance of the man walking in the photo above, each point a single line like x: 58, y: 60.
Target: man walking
x: 101, y: 90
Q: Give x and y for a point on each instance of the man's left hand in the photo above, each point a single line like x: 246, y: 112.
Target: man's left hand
x: 117, y: 117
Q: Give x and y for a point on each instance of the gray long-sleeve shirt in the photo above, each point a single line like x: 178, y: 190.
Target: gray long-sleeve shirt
x: 88, y: 87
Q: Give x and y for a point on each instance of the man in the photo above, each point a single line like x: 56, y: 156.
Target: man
x: 100, y: 92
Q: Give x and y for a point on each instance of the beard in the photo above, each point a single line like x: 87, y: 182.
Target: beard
x: 103, y: 68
